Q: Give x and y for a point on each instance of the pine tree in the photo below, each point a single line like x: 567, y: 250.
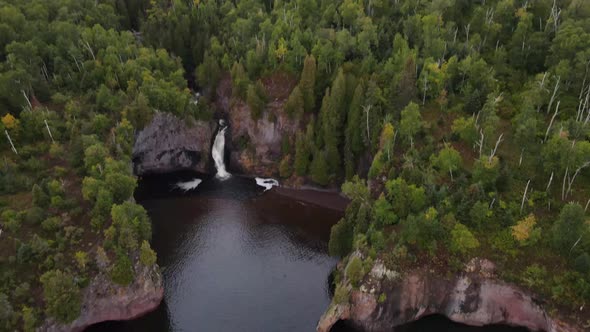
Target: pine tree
x: 239, y: 80
x: 307, y: 82
x: 319, y: 169
x: 295, y: 104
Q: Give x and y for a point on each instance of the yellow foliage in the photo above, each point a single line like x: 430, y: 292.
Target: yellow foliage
x: 281, y: 50
x: 523, y: 229
x: 9, y: 121
x: 386, y: 133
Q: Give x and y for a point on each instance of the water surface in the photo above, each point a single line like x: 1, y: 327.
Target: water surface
x: 235, y: 258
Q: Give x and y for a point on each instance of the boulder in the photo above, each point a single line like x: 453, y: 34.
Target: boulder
x: 170, y: 144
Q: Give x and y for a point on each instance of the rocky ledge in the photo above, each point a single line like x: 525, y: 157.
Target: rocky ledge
x: 104, y: 301
x: 169, y: 144
x: 386, y: 299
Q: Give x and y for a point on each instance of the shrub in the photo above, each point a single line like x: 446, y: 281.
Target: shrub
x: 462, y: 240
x: 341, y: 294
x: 122, y: 272
x: 534, y: 276
x: 383, y: 212
x: 525, y: 232
x: 354, y: 271
x: 56, y: 150
x: 62, y: 296
x: 34, y: 215
x: 10, y: 220
x: 40, y: 198
x: 582, y: 263
x: 568, y: 228
x: 52, y: 224
x: 147, y: 256
x: 29, y: 319
x: 81, y: 259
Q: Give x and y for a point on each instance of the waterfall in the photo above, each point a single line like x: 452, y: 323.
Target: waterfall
x: 217, y: 152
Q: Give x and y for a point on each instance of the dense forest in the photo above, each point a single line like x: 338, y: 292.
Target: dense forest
x: 459, y: 128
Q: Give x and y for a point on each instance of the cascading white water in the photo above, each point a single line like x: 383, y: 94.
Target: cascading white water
x: 218, y: 150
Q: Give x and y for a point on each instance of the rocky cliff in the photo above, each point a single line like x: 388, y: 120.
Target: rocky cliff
x: 386, y: 299
x: 171, y: 144
x: 104, y: 301
x: 256, y: 145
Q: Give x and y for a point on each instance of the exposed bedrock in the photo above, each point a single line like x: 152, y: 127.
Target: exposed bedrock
x: 474, y: 297
x: 104, y: 301
x: 170, y: 144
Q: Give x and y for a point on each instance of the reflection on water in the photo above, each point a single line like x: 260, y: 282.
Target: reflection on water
x: 235, y: 259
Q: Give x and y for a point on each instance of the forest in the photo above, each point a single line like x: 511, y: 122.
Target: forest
x: 457, y: 128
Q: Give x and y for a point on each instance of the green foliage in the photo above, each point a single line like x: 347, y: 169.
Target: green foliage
x: 486, y: 172
x: 256, y: 99
x: 81, y: 259
x: 479, y: 214
x: 29, y: 319
x: 462, y: 240
x: 411, y: 122
x: 40, y: 198
x: 383, y: 213
x: 423, y: 231
x: 354, y: 271
x: 240, y: 80
x: 147, y: 256
x: 122, y: 271
x: 466, y: 130
x: 295, y: 104
x: 6, y: 310
x: 286, y: 167
x: 131, y: 225
x: 62, y: 296
x: 319, y: 169
x: 569, y: 228
x: 377, y: 167
x: 341, y: 236
x: 447, y: 160
x: 341, y: 294
x: 405, y: 198
x: 307, y: 83
x: 582, y: 263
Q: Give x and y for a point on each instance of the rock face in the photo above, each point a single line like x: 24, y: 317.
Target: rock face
x: 170, y: 144
x: 255, y: 146
x: 474, y: 298
x: 104, y: 301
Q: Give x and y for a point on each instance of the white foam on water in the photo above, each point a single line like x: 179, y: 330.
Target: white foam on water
x: 189, y: 185
x: 267, y: 184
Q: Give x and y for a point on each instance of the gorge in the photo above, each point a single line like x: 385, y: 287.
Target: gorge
x: 221, y: 237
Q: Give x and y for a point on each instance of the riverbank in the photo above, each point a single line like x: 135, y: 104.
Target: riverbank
x: 322, y: 198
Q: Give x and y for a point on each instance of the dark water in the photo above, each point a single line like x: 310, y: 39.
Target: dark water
x: 434, y: 323
x: 237, y: 259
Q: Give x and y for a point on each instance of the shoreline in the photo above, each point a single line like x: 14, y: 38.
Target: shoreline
x: 327, y: 199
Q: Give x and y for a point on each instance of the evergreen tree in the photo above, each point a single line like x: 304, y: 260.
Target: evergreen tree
x: 307, y: 82
x: 319, y: 168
